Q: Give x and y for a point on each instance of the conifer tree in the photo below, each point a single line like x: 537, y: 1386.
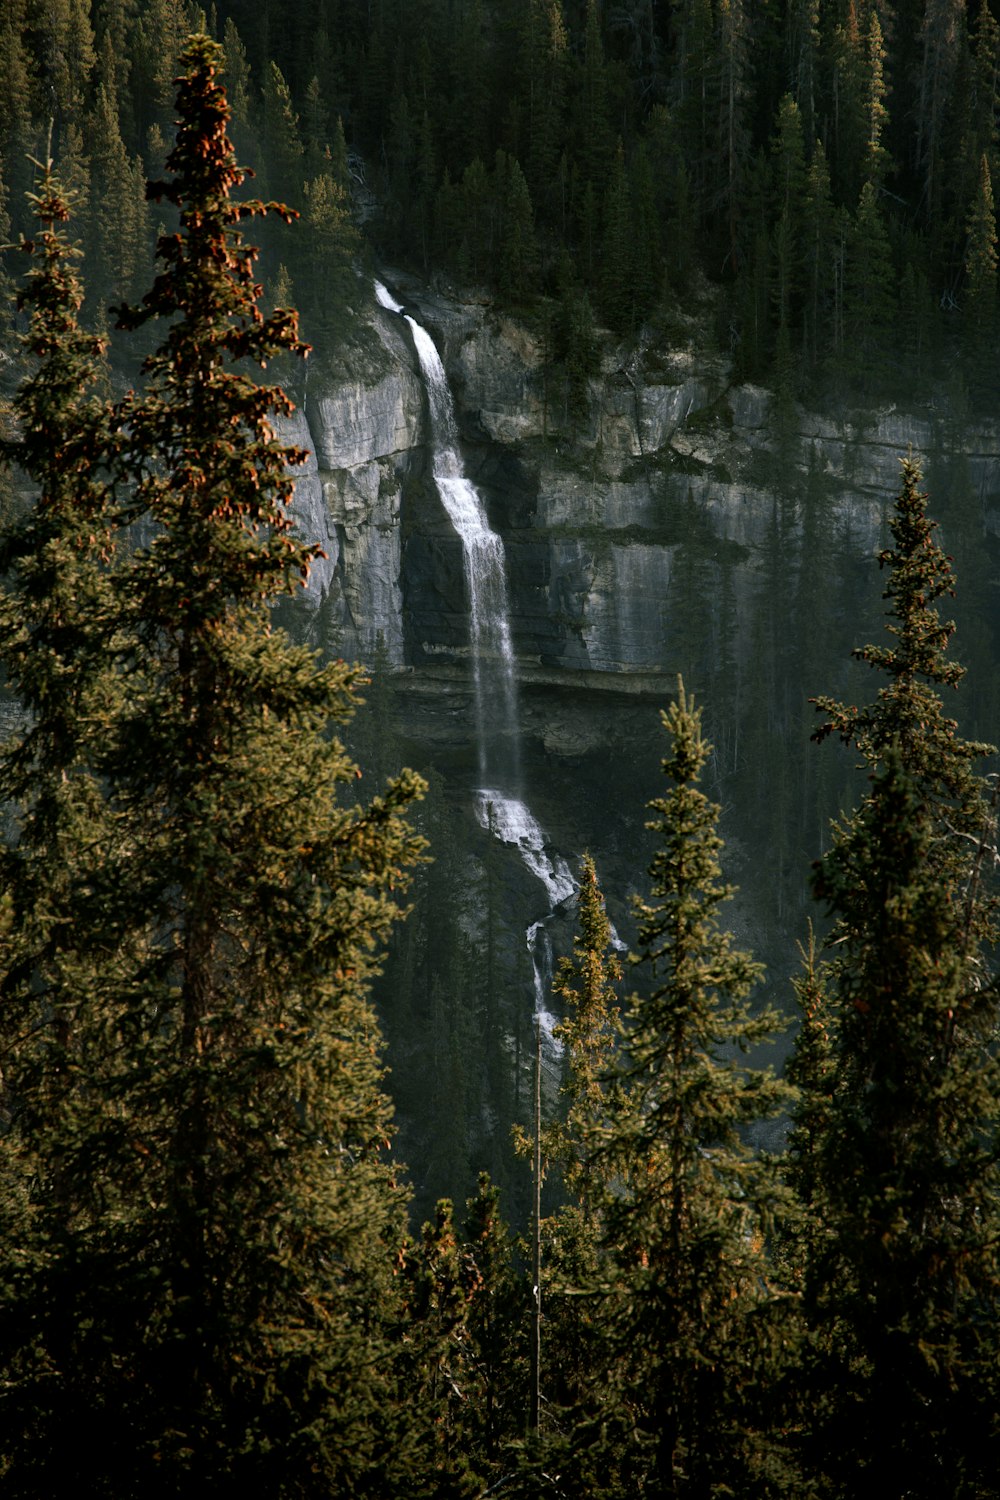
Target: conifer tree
x: 238, y: 85
x: 64, y: 56
x: 818, y: 252
x: 577, y: 1350
x: 901, y: 1284
x: 56, y: 611
x: 215, y: 1301
x: 585, y: 983
x: 685, y: 1229
x: 517, y: 248
x: 942, y: 35
x: 908, y: 711
x: 119, y: 231
x: 57, y: 622
x: 617, y: 284
x: 545, y: 64
x: 16, y: 133
x: 497, y: 1322
x: 279, y: 136
x: 980, y: 299
x: 790, y: 208
x: 869, y: 294
x: 592, y: 130
x: 327, y: 276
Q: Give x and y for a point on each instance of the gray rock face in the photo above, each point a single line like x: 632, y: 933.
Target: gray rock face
x: 359, y: 436
x: 356, y: 423
x: 606, y: 519
x: 309, y: 512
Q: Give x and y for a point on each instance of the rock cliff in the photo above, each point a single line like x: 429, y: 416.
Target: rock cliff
x: 673, y: 470
x: 360, y: 437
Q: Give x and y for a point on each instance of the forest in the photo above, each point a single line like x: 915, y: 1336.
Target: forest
x: 213, y: 1270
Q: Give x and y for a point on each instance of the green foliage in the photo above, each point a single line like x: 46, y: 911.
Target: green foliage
x: 201, y: 1282
x: 869, y: 295
x: 498, y: 1332
x: 708, y: 87
x: 586, y: 985
x: 685, y: 1230
x: 908, y: 712
x: 980, y: 301
x: 892, y: 1148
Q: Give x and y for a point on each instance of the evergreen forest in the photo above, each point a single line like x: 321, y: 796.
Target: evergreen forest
x: 666, y: 1266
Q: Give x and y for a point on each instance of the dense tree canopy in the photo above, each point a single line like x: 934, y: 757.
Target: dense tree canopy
x: 822, y: 163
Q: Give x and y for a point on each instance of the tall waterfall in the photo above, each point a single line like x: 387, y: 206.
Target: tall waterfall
x: 494, y: 677
x: 499, y: 807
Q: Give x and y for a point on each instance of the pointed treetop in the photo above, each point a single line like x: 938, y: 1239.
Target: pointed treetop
x: 908, y: 709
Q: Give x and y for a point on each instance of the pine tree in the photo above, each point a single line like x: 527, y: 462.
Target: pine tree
x: 905, y: 1189
x: 16, y: 133
x: 980, y: 299
x: 617, y: 282
x: 279, y: 136
x: 517, y: 248
x: 869, y: 295
x: 577, y: 1352
x: 902, y: 1283
x: 326, y: 276
x: 545, y: 64
x: 214, y: 1300
x: 819, y: 254
x: 237, y: 85
x: 443, y: 1283
x: 57, y: 622
x: 591, y: 127
x: 119, y: 231
x: 791, y: 214
x: 942, y: 36
x: 586, y: 984
x: 63, y: 56
x: 908, y: 711
x: 497, y: 1324
x: 685, y: 1228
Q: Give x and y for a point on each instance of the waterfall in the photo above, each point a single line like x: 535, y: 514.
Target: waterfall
x: 494, y: 677
x: 493, y: 667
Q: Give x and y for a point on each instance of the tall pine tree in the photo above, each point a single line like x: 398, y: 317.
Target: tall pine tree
x: 685, y: 1229
x: 206, y: 1291
x: 901, y: 1116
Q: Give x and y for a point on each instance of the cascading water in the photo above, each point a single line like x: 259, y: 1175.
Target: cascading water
x: 502, y: 813
x: 494, y: 677
x: 508, y: 820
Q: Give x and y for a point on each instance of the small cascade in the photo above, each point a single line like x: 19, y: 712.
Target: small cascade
x: 501, y: 813
x: 508, y: 821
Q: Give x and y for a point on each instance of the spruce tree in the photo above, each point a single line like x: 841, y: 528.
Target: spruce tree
x: 209, y: 1294
x: 869, y: 294
x: 908, y: 712
x: 585, y: 1427
x: 58, y: 936
x: 980, y: 296
x: 586, y: 984
x: 685, y: 1228
x: 901, y: 1116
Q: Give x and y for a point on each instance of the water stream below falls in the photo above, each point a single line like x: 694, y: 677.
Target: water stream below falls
x: 499, y: 805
